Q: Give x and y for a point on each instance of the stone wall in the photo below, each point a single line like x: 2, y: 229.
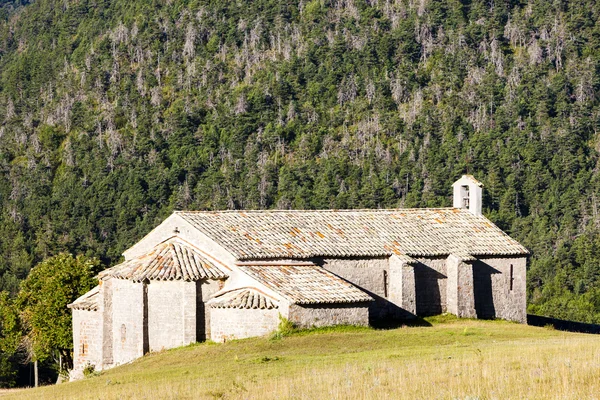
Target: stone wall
x: 308, y: 316
x: 105, y: 309
x: 402, y: 289
x: 430, y: 286
x: 87, y: 340
x: 493, y: 294
x: 205, y: 290
x: 165, y: 314
x: 177, y: 313
x: 459, y: 294
x: 369, y: 274
x: 232, y: 323
x: 128, y: 300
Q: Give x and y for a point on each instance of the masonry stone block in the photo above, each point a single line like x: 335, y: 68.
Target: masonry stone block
x: 460, y: 289
x: 127, y: 320
x: 232, y: 323
x: 318, y: 315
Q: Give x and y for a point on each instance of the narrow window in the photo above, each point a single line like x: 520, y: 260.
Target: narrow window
x: 512, y: 278
x: 465, y: 196
x: 83, y: 349
x: 385, y: 284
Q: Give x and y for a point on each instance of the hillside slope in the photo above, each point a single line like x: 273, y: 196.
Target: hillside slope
x: 451, y: 359
x: 115, y: 112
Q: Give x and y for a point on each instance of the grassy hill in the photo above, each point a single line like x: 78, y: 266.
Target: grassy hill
x: 450, y: 359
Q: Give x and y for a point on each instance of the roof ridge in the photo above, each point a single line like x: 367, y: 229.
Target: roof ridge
x: 328, y: 210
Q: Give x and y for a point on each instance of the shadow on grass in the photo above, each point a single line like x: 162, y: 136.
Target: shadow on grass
x: 562, y: 325
x: 386, y: 324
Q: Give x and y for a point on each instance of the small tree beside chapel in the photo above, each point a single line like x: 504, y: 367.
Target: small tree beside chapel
x: 43, y: 298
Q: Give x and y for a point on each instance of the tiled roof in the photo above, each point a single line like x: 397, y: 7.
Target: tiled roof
x: 306, y: 284
x: 171, y: 260
x: 88, y: 301
x: 248, y: 298
x: 464, y: 256
x: 472, y: 179
x: 360, y: 233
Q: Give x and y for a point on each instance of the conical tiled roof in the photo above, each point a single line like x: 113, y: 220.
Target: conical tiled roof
x: 168, y: 261
x: 305, y: 284
x: 246, y: 298
x: 88, y: 301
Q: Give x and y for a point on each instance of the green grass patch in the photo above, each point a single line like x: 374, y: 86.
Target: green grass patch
x: 450, y: 358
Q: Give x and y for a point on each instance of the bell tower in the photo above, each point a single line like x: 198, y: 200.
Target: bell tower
x: 468, y: 194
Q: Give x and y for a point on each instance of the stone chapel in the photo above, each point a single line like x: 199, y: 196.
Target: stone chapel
x: 221, y: 275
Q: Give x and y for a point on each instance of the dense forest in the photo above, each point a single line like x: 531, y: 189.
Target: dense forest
x: 114, y: 113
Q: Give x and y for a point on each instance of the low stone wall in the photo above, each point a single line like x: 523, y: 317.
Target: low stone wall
x: 308, y: 316
x: 232, y: 323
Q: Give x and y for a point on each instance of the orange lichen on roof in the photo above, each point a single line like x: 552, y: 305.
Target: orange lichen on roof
x: 353, y: 233
x: 244, y: 298
x: 306, y: 284
x: 170, y: 260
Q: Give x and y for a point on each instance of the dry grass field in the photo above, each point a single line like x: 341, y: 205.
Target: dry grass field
x: 452, y: 359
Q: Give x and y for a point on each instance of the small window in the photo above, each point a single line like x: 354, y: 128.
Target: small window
x: 511, y: 278
x: 465, y: 200
x: 385, y: 284
x: 83, y: 348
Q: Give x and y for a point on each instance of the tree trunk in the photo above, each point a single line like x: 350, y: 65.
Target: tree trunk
x: 35, y: 373
x: 67, y: 358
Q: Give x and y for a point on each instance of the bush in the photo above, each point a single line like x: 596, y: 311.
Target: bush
x: 285, y: 328
x: 89, y: 370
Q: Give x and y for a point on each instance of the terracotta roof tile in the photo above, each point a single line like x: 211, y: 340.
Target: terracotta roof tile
x: 246, y: 298
x: 255, y: 235
x: 170, y: 260
x: 88, y: 301
x: 306, y: 284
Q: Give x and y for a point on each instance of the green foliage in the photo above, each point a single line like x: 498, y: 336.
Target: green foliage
x: 89, y: 370
x: 8, y: 371
x: 10, y: 325
x: 113, y: 114
x: 43, y: 299
x: 284, y: 328
x: 10, y: 338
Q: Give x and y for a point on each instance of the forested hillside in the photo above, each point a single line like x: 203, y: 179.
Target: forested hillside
x: 116, y: 112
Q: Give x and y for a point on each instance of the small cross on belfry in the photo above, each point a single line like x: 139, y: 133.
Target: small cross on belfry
x: 176, y: 230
